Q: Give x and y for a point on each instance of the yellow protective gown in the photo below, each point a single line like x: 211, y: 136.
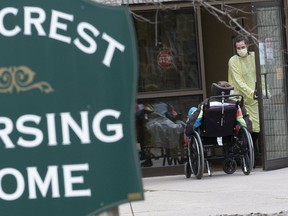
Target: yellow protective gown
x: 242, y: 75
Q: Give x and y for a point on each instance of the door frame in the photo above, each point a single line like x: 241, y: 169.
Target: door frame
x: 279, y: 162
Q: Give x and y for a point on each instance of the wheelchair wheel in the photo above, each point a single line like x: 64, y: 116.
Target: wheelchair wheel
x: 229, y: 166
x: 187, y: 170
x: 247, y: 161
x: 196, y: 156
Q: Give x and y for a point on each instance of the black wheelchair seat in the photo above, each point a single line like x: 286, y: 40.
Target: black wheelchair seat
x: 219, y: 120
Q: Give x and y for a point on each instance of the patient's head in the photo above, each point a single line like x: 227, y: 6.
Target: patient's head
x: 221, y: 88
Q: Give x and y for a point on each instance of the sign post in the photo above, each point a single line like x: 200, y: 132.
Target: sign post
x: 68, y: 75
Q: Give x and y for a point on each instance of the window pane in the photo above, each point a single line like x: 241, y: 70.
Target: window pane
x: 160, y: 129
x: 167, y: 50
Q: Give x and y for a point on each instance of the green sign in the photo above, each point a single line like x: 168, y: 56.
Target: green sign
x: 68, y: 74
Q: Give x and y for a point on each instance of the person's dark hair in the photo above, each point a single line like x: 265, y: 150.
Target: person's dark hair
x: 239, y: 38
x: 220, y: 88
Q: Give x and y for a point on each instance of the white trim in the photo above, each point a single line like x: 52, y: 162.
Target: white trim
x: 190, y: 2
x: 169, y: 94
x: 201, y: 51
x: 158, y: 2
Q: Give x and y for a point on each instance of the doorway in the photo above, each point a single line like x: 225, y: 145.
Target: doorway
x: 218, y: 43
x: 218, y: 46
x: 271, y: 64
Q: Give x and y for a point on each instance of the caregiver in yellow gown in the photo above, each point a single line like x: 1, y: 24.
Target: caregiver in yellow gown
x: 242, y: 75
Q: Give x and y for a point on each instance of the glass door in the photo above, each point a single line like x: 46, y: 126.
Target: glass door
x: 271, y: 74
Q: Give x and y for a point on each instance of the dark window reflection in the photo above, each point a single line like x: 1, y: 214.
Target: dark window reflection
x: 167, y: 50
x: 160, y: 129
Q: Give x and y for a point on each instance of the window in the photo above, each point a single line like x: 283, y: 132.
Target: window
x: 168, y: 60
x: 167, y: 50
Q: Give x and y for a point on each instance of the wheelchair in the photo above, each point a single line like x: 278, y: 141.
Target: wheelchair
x: 219, y: 131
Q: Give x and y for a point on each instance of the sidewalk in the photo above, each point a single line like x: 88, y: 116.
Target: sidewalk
x: 260, y: 193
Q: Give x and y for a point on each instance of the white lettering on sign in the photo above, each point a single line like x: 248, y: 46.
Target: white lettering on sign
x: 19, y: 182
x: 51, y: 180
x: 51, y: 130
x: 24, y: 127
x: 34, y: 17
x: 28, y: 125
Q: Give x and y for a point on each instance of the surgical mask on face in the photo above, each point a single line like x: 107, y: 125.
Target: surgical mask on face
x: 242, y: 52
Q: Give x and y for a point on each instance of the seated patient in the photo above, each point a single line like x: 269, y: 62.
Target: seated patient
x: 195, y: 115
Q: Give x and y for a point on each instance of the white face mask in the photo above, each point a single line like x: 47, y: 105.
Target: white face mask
x: 242, y: 52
